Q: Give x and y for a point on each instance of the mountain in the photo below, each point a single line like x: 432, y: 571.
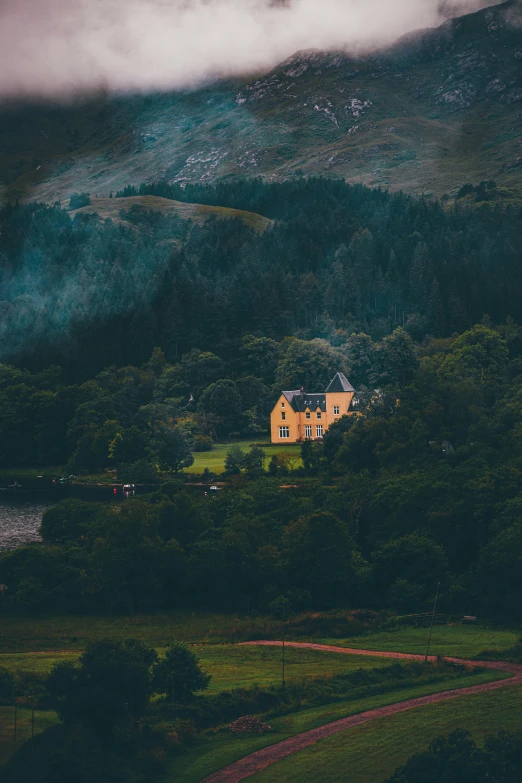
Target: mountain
x: 441, y: 108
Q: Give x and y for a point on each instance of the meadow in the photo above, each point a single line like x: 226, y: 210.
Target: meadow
x: 34, y: 645
x: 231, y: 666
x: 215, y: 460
x: 460, y: 641
x: 213, y: 752
x: 72, y: 632
x: 369, y: 753
x: 43, y: 719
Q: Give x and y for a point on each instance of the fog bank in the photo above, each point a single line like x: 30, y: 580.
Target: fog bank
x: 59, y: 48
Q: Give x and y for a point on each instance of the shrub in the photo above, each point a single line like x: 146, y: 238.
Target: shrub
x: 79, y: 200
x: 202, y: 443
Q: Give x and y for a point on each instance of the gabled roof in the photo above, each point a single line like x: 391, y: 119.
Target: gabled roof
x: 300, y: 401
x: 340, y: 384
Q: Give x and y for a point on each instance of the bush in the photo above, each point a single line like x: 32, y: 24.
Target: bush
x: 202, y: 443
x: 79, y: 200
x: 458, y: 759
x: 9, y: 684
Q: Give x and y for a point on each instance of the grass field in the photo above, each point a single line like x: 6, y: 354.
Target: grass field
x: 461, y: 641
x: 215, y: 460
x: 237, y: 666
x: 370, y: 753
x: 231, y: 666
x: 214, y: 752
x: 69, y: 632
x: 199, y: 213
x: 43, y: 719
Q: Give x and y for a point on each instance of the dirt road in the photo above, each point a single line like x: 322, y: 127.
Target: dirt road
x: 261, y: 759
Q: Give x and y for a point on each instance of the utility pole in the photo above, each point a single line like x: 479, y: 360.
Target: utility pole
x: 432, y: 620
x: 283, y: 662
x: 15, y: 718
x: 32, y: 720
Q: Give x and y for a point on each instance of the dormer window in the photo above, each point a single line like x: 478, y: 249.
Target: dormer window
x: 308, y: 414
x: 319, y: 414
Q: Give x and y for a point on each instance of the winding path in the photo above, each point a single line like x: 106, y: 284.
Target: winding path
x: 261, y: 759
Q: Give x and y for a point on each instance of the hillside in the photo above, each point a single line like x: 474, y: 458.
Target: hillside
x: 444, y: 107
x: 199, y: 213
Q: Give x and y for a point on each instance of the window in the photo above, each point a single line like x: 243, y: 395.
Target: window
x: 319, y: 431
x: 336, y: 410
x: 282, y: 405
x: 308, y: 431
x: 307, y: 414
x: 284, y: 432
x: 318, y: 414
x: 283, y: 415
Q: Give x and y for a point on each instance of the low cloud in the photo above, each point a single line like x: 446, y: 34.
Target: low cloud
x: 61, y: 48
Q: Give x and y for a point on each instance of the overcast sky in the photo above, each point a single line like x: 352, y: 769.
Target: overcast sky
x: 52, y: 48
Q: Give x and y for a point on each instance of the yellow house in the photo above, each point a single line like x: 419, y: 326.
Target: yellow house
x: 298, y: 415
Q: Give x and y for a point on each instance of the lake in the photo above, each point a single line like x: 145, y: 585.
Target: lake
x: 21, y: 509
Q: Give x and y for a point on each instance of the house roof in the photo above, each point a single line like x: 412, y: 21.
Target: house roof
x: 301, y: 400
x: 340, y: 384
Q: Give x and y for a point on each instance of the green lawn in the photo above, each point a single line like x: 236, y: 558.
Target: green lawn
x: 370, y: 753
x: 461, y: 641
x: 42, y: 720
x: 216, y: 751
x: 69, y: 632
x: 215, y: 460
x: 231, y: 666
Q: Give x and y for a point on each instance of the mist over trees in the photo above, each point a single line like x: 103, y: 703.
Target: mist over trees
x: 412, y: 301
x: 85, y: 293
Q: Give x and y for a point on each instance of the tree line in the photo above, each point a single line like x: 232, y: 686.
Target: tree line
x: 85, y: 293
x: 423, y: 485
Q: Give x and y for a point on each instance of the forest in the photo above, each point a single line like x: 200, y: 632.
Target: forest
x: 422, y: 485
x: 85, y: 294
x: 129, y: 345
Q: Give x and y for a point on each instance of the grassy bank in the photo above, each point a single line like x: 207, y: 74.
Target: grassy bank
x: 215, y: 460
x: 43, y: 719
x: 231, y: 666
x: 460, y: 641
x: 371, y: 752
x: 70, y: 632
x: 34, y: 645
x: 214, y: 752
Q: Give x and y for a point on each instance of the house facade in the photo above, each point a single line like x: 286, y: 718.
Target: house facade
x: 299, y: 415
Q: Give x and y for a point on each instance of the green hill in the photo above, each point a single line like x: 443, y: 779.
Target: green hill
x: 442, y: 108
x: 199, y: 213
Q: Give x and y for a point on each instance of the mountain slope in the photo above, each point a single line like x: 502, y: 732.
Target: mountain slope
x: 443, y: 107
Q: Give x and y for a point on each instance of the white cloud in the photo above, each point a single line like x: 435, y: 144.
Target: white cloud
x: 52, y: 48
